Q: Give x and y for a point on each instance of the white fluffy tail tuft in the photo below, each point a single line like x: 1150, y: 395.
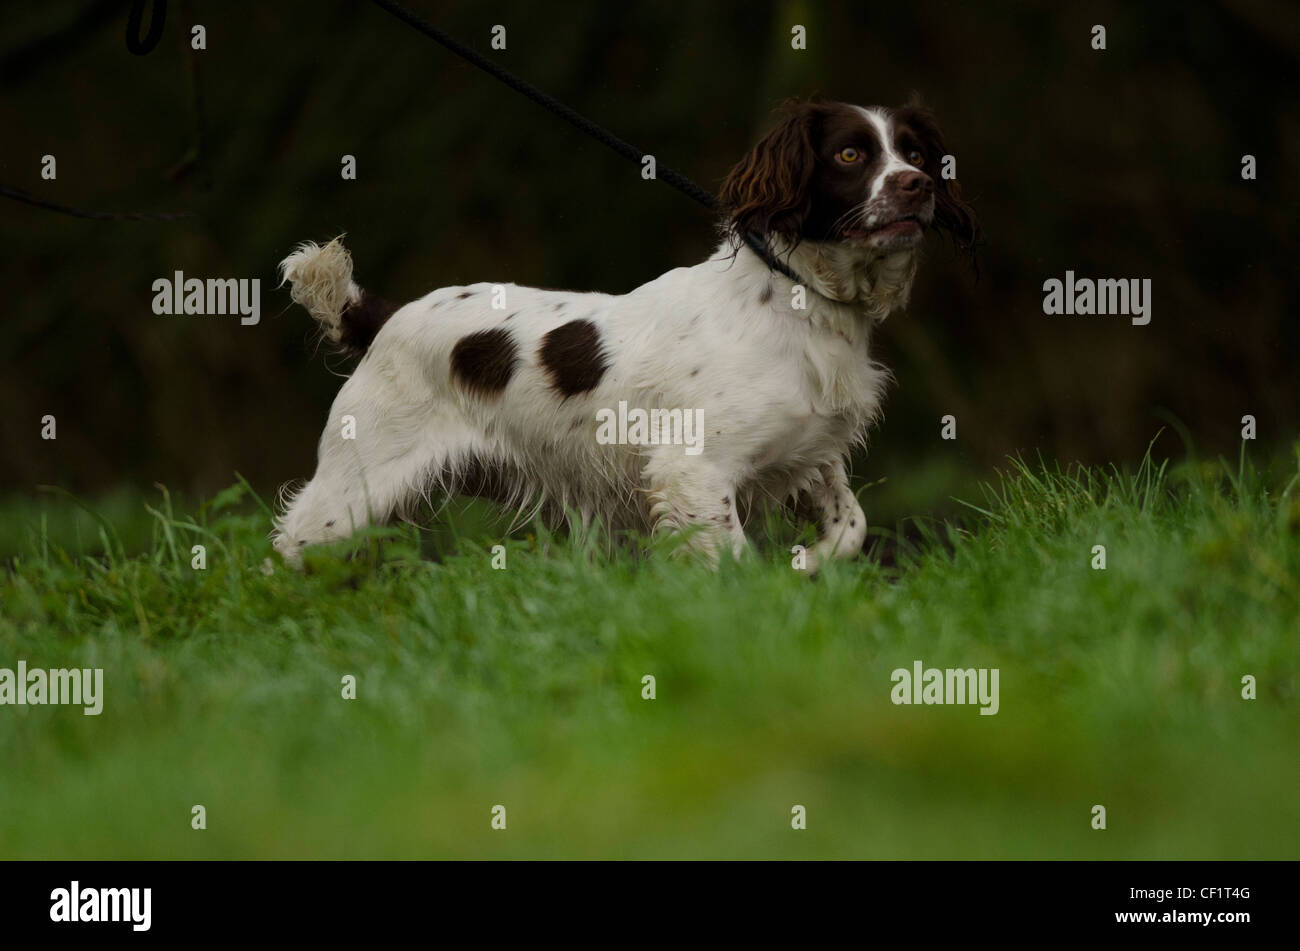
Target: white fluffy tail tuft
x: 321, y: 279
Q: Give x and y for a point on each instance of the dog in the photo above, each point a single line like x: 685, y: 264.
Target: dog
x: 504, y: 391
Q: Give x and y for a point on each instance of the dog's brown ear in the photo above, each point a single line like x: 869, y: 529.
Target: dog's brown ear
x: 954, y: 215
x: 951, y: 212
x: 768, y: 190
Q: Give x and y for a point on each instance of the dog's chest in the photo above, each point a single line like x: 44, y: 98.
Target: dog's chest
x: 799, y: 439
x: 827, y: 398
x: 841, y: 382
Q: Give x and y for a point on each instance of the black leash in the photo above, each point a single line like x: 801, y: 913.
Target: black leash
x: 575, y: 118
x: 17, y: 194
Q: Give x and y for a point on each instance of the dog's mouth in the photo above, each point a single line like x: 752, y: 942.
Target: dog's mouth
x: 907, y: 226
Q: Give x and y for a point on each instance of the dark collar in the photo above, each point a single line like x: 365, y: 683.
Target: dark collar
x: 760, y: 247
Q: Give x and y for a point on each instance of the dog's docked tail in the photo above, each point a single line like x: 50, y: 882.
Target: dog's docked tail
x: 321, y: 281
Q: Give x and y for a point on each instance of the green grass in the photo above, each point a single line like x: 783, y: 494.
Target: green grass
x: 523, y: 686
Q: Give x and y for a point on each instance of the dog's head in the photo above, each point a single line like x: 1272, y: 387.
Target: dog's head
x: 871, y: 179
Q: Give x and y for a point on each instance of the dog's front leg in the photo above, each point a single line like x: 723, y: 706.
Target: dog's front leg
x: 698, y: 500
x: 842, y: 525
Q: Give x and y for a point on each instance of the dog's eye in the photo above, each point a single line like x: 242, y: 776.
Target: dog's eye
x: 915, y: 157
x: 848, y: 156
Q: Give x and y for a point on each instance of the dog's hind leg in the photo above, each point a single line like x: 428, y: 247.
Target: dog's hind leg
x: 378, y: 456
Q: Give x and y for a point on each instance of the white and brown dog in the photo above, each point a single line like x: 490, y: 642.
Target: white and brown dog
x: 500, y: 390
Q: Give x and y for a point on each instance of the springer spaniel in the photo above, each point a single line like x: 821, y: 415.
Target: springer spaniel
x: 506, y: 391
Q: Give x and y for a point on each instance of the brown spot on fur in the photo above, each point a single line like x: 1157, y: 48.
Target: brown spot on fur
x: 483, y: 362
x: 765, y: 295
x: 463, y: 294
x: 573, y: 357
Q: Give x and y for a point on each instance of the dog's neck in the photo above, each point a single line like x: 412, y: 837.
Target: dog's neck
x: 847, y: 290
x: 875, y: 285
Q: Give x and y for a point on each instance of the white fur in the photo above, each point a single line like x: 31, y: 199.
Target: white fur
x: 894, y: 163
x: 785, y: 394
x: 321, y: 282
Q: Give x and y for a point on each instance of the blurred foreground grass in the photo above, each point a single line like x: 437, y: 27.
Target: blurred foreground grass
x: 522, y: 687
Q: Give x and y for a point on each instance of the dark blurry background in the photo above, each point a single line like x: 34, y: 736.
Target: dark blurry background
x: 1123, y: 164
